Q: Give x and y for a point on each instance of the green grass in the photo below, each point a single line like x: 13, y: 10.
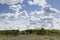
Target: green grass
x: 30, y: 37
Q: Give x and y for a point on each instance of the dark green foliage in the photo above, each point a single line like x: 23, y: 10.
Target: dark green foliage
x: 28, y: 32
x: 41, y: 31
x: 9, y: 32
x: 22, y: 33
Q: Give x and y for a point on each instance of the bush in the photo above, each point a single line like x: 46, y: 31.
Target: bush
x: 9, y: 32
x: 41, y: 31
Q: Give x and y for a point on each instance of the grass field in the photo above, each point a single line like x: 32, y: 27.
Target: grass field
x: 30, y: 37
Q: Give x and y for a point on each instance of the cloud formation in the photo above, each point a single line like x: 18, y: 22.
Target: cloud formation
x: 23, y: 20
x: 45, y: 16
x: 16, y: 24
x: 10, y: 2
x: 37, y: 2
x: 15, y: 7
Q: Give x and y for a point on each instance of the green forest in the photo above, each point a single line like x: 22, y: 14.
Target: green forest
x: 41, y: 31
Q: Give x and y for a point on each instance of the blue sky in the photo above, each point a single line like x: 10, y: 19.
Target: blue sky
x: 4, y: 8
x: 29, y: 14
x: 54, y: 3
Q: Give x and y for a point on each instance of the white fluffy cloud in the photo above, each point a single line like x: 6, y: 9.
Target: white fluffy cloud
x: 5, y: 16
x: 37, y: 2
x: 17, y: 13
x: 23, y: 14
x: 49, y: 9
x: 44, y: 17
x: 16, y: 24
x: 20, y: 15
x: 9, y: 2
x: 12, y: 21
x: 38, y: 19
x: 56, y: 23
x: 23, y: 20
x: 15, y: 7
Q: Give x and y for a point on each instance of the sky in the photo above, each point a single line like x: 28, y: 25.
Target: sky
x: 29, y: 14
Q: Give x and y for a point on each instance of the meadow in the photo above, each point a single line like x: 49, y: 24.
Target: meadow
x: 30, y: 37
x: 32, y: 34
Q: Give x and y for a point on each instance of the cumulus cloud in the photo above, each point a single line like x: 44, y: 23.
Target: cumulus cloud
x: 9, y: 2
x: 6, y: 16
x: 49, y: 9
x: 10, y: 25
x: 39, y: 17
x: 56, y: 23
x: 23, y: 20
x: 23, y: 14
x: 37, y: 2
x: 12, y: 16
x: 17, y: 13
x: 15, y: 7
x: 3, y: 17
x: 10, y: 21
x: 45, y: 16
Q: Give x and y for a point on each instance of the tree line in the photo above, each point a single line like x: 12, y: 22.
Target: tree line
x: 41, y: 31
x: 9, y: 32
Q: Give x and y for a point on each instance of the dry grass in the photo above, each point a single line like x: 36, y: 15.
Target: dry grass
x: 30, y: 37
